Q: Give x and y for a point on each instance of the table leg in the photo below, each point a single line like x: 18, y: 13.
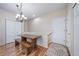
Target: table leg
x: 23, y: 39
x: 34, y: 46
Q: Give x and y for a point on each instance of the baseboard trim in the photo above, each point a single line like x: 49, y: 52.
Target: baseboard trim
x: 6, y: 44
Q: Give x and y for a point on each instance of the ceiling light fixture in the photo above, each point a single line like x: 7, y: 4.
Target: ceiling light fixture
x: 19, y: 16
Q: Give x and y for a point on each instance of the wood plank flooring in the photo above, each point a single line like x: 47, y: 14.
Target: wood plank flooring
x: 11, y: 50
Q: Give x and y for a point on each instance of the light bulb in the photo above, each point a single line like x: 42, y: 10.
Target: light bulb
x: 25, y: 17
x: 17, y: 15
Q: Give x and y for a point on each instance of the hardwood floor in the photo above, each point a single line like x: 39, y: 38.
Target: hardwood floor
x: 11, y: 50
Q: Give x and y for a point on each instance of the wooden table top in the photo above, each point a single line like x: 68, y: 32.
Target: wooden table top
x: 30, y: 36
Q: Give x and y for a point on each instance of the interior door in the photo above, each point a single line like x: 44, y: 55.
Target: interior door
x: 59, y: 30
x: 13, y: 29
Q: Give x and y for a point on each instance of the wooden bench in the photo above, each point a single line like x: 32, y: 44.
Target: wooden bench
x: 26, y: 48
x: 17, y: 42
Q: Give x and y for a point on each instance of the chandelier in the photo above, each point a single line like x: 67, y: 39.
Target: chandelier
x: 19, y: 16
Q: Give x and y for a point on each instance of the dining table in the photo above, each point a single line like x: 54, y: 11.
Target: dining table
x: 32, y: 37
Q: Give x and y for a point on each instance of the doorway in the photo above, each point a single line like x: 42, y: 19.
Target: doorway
x: 13, y: 29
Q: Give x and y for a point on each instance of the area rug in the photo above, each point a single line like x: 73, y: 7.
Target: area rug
x: 57, y: 50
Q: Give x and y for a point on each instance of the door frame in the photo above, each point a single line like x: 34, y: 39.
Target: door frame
x: 75, y: 34
x: 10, y: 19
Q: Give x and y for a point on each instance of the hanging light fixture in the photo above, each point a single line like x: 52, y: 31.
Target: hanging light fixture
x: 19, y: 16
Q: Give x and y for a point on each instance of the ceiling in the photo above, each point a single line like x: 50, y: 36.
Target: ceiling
x: 32, y: 10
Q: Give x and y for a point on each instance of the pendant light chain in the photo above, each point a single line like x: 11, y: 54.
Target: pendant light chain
x: 20, y: 17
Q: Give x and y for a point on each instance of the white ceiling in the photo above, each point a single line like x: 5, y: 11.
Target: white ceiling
x: 33, y: 8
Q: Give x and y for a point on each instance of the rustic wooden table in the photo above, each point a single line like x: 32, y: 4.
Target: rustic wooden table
x: 33, y: 43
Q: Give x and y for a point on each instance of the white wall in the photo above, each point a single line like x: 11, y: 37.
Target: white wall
x: 58, y: 26
x: 13, y: 29
x: 3, y: 15
x: 70, y: 29
x: 43, y: 24
x: 26, y: 26
x: 76, y: 30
